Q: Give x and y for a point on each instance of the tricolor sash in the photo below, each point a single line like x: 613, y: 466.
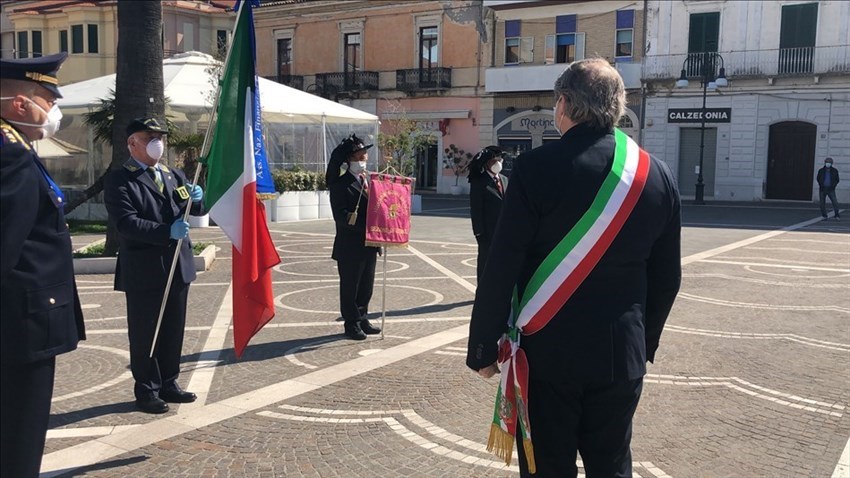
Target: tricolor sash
x: 554, y: 282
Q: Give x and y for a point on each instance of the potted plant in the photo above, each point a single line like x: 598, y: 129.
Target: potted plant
x: 457, y: 160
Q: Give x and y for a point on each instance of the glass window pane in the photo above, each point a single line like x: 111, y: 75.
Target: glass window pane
x: 23, y: 45
x: 63, y: 40
x: 93, y: 47
x: 36, y: 44
x: 624, y: 36
x: 76, y: 38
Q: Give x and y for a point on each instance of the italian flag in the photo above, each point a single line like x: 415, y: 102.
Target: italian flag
x: 237, y: 173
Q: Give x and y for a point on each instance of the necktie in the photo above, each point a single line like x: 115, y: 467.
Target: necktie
x: 156, y: 179
x: 498, y: 184
x: 364, y: 185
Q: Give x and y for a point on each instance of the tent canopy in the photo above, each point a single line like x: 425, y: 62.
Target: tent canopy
x: 188, y: 88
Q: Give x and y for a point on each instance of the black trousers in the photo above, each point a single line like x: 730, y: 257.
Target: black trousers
x: 824, y: 193
x: 152, y: 374
x: 356, y: 282
x: 593, y: 420
x: 25, y: 393
x: 483, y: 250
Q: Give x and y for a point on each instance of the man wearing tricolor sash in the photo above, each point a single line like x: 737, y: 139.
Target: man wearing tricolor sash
x: 588, y: 248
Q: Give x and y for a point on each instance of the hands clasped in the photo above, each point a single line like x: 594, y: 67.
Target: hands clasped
x: 179, y: 230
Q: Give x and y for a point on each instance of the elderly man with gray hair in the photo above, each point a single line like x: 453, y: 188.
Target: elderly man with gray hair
x: 585, y: 269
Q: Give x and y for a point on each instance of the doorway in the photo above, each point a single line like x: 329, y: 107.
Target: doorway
x: 689, y: 139
x: 791, y: 160
x: 426, y: 168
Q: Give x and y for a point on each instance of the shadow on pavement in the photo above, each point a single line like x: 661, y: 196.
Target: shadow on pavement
x: 62, y: 419
x: 106, y: 465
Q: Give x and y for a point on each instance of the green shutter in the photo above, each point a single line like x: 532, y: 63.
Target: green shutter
x: 704, y: 32
x: 799, y: 25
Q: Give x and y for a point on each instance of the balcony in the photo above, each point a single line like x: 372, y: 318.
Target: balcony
x: 755, y: 63
x: 423, y: 79
x: 292, y: 81
x: 330, y: 84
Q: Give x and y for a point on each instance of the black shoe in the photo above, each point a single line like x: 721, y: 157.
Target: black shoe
x: 151, y: 404
x: 353, y: 331
x: 175, y: 394
x: 368, y: 328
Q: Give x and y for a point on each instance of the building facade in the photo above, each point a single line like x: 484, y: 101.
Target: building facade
x: 534, y: 41
x: 786, y: 106
x: 421, y: 60
x: 88, y: 31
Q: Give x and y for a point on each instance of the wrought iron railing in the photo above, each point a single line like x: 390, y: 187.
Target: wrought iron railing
x: 332, y: 83
x: 423, y: 79
x: 754, y: 63
x: 294, y: 81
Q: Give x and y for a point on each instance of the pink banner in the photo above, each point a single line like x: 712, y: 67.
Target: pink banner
x: 388, y: 216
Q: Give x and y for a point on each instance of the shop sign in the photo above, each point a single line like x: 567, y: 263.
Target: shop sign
x: 694, y: 115
x: 534, y: 123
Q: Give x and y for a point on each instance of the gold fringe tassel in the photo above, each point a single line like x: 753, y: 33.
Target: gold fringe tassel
x: 529, y: 455
x: 500, y: 443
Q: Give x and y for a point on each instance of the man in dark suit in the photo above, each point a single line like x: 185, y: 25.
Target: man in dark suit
x: 486, y: 190
x: 827, y: 180
x: 40, y: 314
x: 146, y: 202
x: 354, y: 260
x: 586, y: 366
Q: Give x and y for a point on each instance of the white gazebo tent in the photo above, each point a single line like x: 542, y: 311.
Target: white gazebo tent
x: 295, y: 121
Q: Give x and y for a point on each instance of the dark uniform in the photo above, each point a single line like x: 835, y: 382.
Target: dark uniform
x: 355, y: 261
x: 587, y: 365
x: 485, y: 204
x: 143, y: 216
x: 40, y: 315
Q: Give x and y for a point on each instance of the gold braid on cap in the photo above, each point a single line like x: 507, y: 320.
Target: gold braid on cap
x: 41, y: 77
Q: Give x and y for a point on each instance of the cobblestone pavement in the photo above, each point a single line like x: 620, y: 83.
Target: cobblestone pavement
x: 750, y: 381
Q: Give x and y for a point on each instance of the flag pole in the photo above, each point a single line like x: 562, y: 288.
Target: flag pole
x: 204, y: 151
x: 384, y: 295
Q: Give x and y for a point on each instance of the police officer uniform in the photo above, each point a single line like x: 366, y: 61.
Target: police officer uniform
x: 142, y: 213
x: 355, y: 261
x: 40, y: 314
x: 485, y: 201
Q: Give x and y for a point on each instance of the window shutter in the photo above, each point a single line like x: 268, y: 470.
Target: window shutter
x: 526, y: 53
x: 549, y: 50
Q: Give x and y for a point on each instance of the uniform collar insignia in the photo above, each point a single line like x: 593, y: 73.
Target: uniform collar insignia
x: 131, y: 165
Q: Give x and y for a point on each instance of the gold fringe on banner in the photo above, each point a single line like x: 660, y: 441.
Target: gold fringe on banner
x: 267, y: 196
x: 385, y: 244
x: 529, y: 455
x: 500, y: 443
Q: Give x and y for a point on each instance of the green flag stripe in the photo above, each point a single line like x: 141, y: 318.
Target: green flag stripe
x: 547, y: 267
x: 226, y: 156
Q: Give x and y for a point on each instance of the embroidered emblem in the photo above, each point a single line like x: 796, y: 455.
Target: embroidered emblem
x: 131, y: 165
x: 182, y: 192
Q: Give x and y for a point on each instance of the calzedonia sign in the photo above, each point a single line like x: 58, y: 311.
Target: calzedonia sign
x: 694, y: 115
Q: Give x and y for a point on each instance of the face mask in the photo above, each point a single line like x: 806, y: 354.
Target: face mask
x: 496, y: 167
x: 828, y: 165
x: 357, y: 167
x: 50, y: 125
x: 155, y: 148
x: 555, y: 117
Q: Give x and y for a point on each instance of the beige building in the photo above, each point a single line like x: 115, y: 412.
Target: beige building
x: 423, y: 60
x: 88, y: 31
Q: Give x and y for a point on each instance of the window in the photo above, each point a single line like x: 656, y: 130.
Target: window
x: 702, y: 37
x: 63, y: 40
x: 517, y: 49
x: 23, y: 45
x: 188, y: 37
x: 284, y: 57
x: 428, y: 49
x: 36, y: 44
x: 797, y: 35
x: 511, y: 50
x: 625, y: 33
x: 221, y: 42
x: 92, y: 30
x: 566, y: 45
x: 351, y: 58
x: 76, y: 38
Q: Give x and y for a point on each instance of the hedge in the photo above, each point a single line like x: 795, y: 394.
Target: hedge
x: 298, y: 181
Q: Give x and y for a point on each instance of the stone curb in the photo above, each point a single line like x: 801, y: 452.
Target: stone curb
x: 106, y: 265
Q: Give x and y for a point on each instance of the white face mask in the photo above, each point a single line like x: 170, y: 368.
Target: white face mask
x: 828, y: 165
x: 555, y: 118
x: 50, y: 125
x: 357, y: 167
x: 496, y: 167
x: 155, y: 148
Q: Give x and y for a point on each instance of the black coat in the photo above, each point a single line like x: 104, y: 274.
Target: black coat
x: 143, y: 217
x: 40, y: 314
x: 612, y: 324
x: 833, y: 174
x: 485, y: 203
x: 350, y: 241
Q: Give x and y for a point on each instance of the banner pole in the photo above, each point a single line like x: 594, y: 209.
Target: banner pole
x: 384, y: 295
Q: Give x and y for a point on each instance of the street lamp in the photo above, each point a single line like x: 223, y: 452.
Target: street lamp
x: 709, y: 82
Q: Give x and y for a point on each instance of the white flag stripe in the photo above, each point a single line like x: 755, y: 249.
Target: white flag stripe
x: 585, y: 244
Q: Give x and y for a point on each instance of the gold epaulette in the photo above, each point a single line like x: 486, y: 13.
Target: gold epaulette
x: 131, y: 165
x: 163, y: 168
x: 11, y: 135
